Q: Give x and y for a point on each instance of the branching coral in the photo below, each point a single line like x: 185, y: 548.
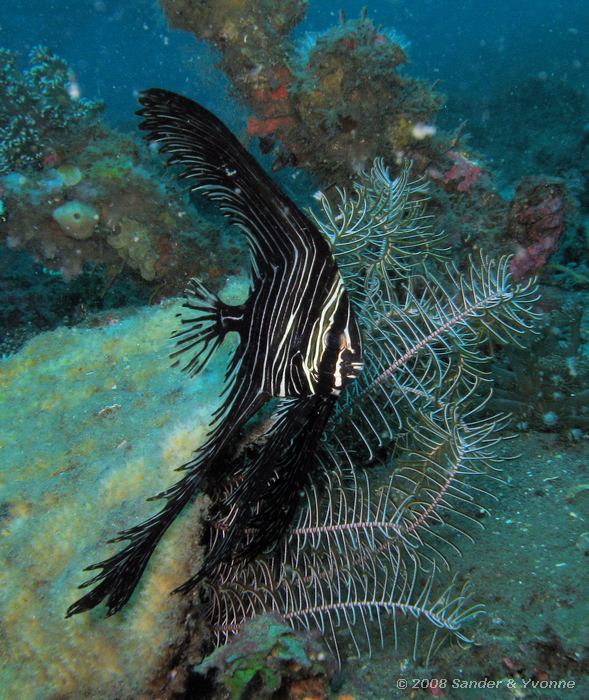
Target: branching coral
x: 369, y: 541
x: 36, y: 103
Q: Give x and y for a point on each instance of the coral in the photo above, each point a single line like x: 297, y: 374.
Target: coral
x: 36, y: 104
x: 463, y: 174
x: 74, y: 210
x: 91, y: 420
x: 76, y: 219
x: 70, y: 174
x: 536, y: 223
x: 227, y: 22
x: 267, y: 658
x: 133, y: 242
x: 352, y: 103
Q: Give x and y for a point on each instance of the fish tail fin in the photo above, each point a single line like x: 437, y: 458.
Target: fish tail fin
x: 121, y: 573
x: 204, y: 324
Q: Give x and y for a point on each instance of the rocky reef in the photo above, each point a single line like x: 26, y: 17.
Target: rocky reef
x: 100, y: 201
x: 92, y: 208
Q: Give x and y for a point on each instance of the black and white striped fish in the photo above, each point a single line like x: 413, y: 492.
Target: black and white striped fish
x: 299, y: 344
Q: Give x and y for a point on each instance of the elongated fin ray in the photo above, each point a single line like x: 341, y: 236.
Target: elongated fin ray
x: 120, y: 573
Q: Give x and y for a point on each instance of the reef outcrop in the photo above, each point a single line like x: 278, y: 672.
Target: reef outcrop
x: 74, y: 193
x: 330, y: 103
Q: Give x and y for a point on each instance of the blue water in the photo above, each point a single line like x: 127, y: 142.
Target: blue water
x: 117, y: 48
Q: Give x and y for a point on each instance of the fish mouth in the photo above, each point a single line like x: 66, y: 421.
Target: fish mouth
x: 352, y: 370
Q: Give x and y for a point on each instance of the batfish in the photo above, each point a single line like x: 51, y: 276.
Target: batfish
x: 299, y: 344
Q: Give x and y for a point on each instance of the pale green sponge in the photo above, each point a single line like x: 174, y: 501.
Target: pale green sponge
x: 76, y: 219
x: 93, y: 421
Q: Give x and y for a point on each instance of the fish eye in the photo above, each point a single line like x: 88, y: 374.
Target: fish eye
x: 334, y: 340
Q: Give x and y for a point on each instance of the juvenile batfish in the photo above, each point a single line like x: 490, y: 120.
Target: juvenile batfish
x: 299, y: 343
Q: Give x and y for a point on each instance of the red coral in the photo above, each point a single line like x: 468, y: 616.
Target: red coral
x: 536, y: 223
x: 272, y: 105
x: 261, y: 126
x: 264, y: 97
x: 464, y: 173
x: 280, y: 94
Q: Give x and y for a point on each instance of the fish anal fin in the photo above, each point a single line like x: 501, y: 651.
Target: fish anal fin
x: 204, y: 322
x: 119, y: 575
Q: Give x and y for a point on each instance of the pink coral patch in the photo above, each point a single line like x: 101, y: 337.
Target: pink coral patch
x: 464, y: 173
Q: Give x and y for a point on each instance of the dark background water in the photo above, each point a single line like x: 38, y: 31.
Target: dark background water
x: 471, y: 47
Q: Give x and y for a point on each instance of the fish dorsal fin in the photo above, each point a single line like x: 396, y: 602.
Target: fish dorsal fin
x: 219, y: 166
x: 205, y: 320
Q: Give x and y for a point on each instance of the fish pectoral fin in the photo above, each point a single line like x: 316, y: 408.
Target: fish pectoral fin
x: 205, y: 320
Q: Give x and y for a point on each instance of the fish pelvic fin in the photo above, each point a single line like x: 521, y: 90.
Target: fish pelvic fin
x: 205, y: 320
